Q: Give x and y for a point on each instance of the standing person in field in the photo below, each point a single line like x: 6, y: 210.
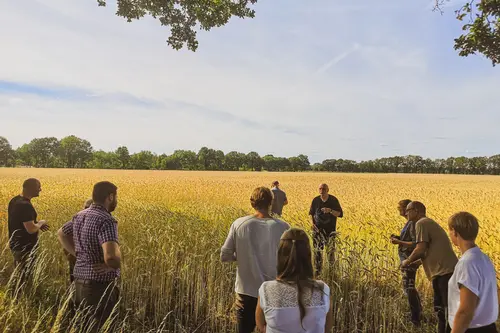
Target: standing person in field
x: 92, y: 237
x: 279, y: 200
x: 252, y: 243
x: 324, y: 211
x: 406, y: 244
x: 24, y: 227
x: 71, y: 258
x: 472, y: 290
x: 438, y: 258
x: 294, y: 302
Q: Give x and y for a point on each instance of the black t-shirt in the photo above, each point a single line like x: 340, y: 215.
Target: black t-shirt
x: 323, y: 220
x: 21, y: 210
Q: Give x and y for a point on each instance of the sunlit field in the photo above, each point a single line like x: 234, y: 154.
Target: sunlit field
x: 172, y: 225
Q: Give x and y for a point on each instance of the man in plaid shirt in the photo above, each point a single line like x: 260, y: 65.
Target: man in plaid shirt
x: 92, y: 237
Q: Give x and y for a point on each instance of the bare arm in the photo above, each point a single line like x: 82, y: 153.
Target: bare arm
x: 260, y: 318
x: 336, y: 213
x: 112, y: 255
x: 67, y: 242
x: 417, y: 254
x: 228, y: 250
x: 32, y: 227
x: 329, y: 319
x: 465, y: 313
x: 400, y: 242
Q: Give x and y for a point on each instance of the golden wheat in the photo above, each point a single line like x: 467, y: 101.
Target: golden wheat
x: 172, y: 225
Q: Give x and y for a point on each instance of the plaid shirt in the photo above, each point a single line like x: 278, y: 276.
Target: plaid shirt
x: 90, y: 229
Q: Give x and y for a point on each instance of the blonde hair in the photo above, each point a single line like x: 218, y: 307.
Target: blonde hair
x: 465, y: 224
x: 261, y: 198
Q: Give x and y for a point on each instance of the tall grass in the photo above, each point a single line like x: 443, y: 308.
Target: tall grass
x: 172, y: 225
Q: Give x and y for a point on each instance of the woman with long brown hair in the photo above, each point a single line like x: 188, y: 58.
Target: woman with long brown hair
x: 295, y: 302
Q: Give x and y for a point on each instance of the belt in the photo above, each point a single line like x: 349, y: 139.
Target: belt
x: 93, y: 282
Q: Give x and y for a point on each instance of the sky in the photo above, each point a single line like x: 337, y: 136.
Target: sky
x: 354, y: 79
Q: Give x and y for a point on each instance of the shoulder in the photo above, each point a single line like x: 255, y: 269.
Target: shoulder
x: 98, y: 215
x: 332, y: 197
x: 323, y: 285
x: 424, y: 221
x: 241, y: 221
x: 22, y: 205
x: 316, y: 199
x: 266, y: 286
x: 281, y: 223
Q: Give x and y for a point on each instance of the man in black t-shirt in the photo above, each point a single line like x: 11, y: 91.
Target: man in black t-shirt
x: 324, y: 211
x: 23, y: 224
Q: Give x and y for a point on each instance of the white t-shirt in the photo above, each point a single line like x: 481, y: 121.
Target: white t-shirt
x: 253, y: 243
x: 474, y: 271
x: 281, y: 308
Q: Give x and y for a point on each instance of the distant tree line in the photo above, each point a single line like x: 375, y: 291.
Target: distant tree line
x: 74, y: 152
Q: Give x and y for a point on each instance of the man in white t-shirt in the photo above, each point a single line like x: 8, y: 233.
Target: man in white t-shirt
x: 253, y: 243
x: 472, y: 290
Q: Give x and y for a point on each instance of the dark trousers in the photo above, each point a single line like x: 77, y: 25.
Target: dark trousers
x: 24, y: 262
x: 71, y: 262
x: 409, y: 277
x: 440, y: 286
x: 321, y: 237
x: 245, y: 313
x: 96, y: 300
x: 485, y: 329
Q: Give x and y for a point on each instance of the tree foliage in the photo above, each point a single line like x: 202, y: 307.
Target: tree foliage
x: 6, y: 152
x: 481, y: 28
x: 184, y: 17
x: 72, y: 152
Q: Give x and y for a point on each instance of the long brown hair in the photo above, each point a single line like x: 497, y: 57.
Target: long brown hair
x: 295, y: 264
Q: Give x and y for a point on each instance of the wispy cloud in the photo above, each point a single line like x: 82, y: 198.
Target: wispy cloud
x: 338, y: 58
x: 323, y: 78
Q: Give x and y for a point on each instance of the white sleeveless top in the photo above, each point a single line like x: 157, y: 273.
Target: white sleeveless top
x: 281, y: 308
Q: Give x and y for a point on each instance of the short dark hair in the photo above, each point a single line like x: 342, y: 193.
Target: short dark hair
x: 404, y: 203
x: 420, y: 207
x: 465, y: 224
x: 30, y: 183
x: 102, y: 190
x: 261, y: 198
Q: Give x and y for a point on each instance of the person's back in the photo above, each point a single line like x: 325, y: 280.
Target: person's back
x: 253, y: 243
x: 278, y: 201
x: 21, y: 210
x: 472, y: 290
x: 476, y: 271
x: 90, y: 227
x: 92, y: 237
x: 279, y: 301
x: 440, y: 258
x: 256, y: 241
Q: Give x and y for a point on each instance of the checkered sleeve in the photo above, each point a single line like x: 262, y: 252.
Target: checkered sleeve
x: 108, y: 232
x: 67, y: 228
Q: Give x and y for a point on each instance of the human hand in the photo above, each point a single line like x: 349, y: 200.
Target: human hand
x: 43, y: 225
x: 394, y: 240
x: 326, y: 210
x: 405, y: 263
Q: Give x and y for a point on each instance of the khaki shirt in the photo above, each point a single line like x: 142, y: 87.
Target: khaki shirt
x: 439, y: 259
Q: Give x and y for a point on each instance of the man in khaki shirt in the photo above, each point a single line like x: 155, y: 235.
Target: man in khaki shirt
x: 435, y: 250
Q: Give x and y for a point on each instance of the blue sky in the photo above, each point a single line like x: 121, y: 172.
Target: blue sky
x: 326, y: 78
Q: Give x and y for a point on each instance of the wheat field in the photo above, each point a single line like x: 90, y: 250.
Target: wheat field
x: 172, y: 225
